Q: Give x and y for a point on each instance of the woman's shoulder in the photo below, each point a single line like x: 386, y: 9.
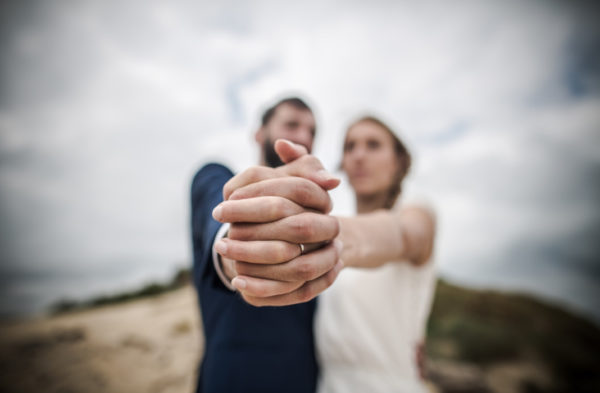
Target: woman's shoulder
x: 415, y: 202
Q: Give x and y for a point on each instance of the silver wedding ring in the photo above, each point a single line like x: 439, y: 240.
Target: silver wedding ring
x: 301, y: 248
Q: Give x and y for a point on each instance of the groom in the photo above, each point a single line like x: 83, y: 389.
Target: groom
x: 265, y: 349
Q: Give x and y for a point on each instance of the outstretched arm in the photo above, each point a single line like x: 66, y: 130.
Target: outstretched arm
x: 373, y: 239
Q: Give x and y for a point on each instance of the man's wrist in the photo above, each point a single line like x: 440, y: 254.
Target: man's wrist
x: 223, y: 269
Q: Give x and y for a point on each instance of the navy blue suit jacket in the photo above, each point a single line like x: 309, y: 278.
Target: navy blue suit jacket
x: 247, y: 348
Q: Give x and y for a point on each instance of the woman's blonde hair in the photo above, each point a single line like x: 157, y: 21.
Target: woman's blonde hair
x: 402, y: 154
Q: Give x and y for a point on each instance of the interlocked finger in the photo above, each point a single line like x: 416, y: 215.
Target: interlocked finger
x: 301, y: 228
x: 302, y: 268
x: 264, y: 288
x: 257, y: 252
x: 259, y: 209
x: 299, y: 190
x: 304, y: 293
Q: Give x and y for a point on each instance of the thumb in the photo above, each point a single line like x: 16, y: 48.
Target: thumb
x: 289, y: 151
x: 300, y: 163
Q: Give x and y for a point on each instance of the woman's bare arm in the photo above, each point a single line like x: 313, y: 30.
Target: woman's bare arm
x: 372, y: 239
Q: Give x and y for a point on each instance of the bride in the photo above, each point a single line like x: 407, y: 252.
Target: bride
x: 370, y: 323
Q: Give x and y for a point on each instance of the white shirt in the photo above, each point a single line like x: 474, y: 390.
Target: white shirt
x: 217, y: 259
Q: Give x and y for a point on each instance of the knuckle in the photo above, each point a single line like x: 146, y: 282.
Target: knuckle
x: 302, y: 227
x: 280, y: 253
x: 305, y: 270
x: 319, y: 199
x: 305, y: 191
x: 253, y: 173
x: 301, y: 190
x: 329, y: 279
x: 288, y: 208
x: 309, y: 159
x: 305, y: 294
x: 278, y: 208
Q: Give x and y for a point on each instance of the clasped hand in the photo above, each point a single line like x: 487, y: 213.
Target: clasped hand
x: 272, y: 211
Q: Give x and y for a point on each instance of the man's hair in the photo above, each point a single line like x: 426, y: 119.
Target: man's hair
x: 293, y: 101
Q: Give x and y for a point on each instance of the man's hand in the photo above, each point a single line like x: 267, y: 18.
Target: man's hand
x: 272, y: 212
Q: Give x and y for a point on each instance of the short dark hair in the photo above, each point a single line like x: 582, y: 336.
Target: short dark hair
x: 293, y: 101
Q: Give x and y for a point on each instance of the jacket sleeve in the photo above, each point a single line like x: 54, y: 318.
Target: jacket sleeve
x: 206, y: 193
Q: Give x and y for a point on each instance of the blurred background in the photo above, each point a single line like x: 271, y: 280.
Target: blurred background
x: 107, y: 109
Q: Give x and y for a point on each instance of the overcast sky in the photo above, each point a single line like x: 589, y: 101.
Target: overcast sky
x: 108, y: 108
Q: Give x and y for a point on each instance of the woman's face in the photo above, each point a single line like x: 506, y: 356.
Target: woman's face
x: 369, y: 158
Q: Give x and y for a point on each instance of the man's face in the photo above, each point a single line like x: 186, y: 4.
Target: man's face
x: 288, y: 122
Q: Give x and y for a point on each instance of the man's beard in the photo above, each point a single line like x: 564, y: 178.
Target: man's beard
x: 271, y: 157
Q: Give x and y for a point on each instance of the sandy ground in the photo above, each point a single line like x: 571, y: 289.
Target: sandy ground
x: 150, y: 345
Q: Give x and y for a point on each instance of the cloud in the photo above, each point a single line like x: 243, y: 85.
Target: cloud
x: 107, y: 109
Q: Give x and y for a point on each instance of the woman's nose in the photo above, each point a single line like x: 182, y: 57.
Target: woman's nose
x: 358, y: 153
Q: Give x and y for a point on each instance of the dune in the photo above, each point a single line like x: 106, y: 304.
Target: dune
x: 147, y: 345
x: 478, y: 341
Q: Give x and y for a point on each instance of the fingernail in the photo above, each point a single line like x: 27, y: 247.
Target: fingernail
x: 217, y: 213
x: 339, y: 245
x: 221, y: 246
x: 239, y: 283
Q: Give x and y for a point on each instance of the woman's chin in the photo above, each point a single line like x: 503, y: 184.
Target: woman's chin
x: 365, y: 192
x: 362, y: 185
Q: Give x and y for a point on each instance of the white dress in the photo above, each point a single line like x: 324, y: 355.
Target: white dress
x: 367, y: 326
